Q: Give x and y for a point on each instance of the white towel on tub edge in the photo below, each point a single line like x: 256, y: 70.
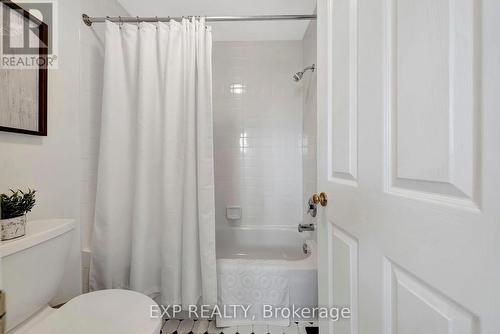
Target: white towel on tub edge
x: 255, y: 283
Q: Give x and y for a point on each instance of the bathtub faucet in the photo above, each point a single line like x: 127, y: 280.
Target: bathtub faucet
x: 306, y: 227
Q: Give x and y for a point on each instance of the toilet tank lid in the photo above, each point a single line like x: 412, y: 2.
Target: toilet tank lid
x: 105, y: 311
x: 37, y: 231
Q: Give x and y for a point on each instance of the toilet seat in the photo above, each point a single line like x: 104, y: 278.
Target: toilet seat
x: 102, y: 312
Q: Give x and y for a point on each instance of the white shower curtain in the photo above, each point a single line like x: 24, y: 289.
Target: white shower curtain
x: 154, y: 220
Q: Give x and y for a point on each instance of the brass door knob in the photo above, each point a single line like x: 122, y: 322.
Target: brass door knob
x: 320, y: 198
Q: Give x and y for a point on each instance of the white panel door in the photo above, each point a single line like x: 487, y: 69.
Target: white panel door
x: 409, y: 155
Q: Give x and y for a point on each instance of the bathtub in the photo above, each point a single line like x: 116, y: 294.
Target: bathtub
x: 256, y: 243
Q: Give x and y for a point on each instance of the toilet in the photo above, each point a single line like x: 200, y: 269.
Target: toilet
x: 33, y: 268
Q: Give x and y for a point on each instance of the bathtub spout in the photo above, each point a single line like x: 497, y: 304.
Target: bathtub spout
x: 306, y: 227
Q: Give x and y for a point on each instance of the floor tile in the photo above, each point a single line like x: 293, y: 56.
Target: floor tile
x: 230, y: 330
x: 212, y: 329
x: 205, y: 326
x: 247, y: 329
x: 259, y: 329
x: 276, y: 329
x: 185, y: 326
x: 292, y: 329
x: 302, y: 327
x: 312, y: 330
x: 170, y: 326
x: 200, y: 326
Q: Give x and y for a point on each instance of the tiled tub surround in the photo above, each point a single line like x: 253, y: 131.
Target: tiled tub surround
x: 258, y: 132
x: 309, y: 119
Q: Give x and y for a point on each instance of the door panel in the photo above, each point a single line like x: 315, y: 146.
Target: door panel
x: 409, y: 154
x: 343, y: 118
x: 345, y: 277
x: 431, y: 108
x: 414, y: 307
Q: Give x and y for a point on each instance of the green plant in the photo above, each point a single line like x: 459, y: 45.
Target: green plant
x: 17, y: 204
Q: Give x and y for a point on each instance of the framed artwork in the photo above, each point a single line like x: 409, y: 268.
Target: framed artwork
x: 23, y: 90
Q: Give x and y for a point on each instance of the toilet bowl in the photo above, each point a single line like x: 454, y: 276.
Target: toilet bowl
x: 100, y: 312
x: 33, y: 267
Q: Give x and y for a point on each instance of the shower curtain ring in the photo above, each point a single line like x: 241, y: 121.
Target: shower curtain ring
x: 120, y: 22
x: 138, y: 22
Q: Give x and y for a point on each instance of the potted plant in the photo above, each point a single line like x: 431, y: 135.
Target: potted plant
x: 13, y: 210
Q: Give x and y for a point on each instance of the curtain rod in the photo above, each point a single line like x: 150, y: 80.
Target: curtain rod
x: 89, y: 20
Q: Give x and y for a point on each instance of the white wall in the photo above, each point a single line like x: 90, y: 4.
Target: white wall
x: 257, y: 130
x: 309, y: 119
x: 51, y: 164
x: 62, y: 165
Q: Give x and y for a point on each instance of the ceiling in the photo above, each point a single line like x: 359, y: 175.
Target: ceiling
x: 233, y: 31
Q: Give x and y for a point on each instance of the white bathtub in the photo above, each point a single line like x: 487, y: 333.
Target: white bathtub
x: 249, y: 243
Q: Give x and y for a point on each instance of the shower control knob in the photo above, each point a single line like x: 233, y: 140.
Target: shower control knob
x: 312, y: 208
x: 320, y: 198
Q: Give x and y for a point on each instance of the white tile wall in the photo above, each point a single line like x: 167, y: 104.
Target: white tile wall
x: 258, y: 131
x: 309, y: 118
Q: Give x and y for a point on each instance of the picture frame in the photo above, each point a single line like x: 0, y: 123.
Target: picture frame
x: 24, y: 91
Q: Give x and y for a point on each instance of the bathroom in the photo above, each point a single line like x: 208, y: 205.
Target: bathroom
x: 262, y: 167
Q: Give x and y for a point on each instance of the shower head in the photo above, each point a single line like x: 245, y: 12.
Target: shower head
x: 299, y: 75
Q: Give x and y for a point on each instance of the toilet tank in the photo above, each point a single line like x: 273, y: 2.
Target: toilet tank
x: 33, y: 267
